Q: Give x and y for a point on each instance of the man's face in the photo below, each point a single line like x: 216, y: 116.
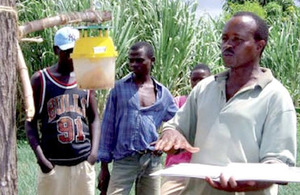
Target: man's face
x: 64, y: 56
x: 139, y: 62
x: 238, y: 45
x: 197, y: 75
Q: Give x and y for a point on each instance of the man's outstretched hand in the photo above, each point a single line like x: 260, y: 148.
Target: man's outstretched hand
x: 171, y: 141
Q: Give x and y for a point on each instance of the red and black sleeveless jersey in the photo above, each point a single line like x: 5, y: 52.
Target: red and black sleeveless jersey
x: 65, y: 133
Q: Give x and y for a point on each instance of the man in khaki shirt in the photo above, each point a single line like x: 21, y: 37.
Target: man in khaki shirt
x: 241, y: 115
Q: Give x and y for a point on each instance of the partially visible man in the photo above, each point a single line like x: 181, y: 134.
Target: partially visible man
x: 174, y: 185
x: 70, y: 125
x: 242, y: 115
x: 135, y: 109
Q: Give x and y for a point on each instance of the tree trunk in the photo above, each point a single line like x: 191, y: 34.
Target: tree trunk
x: 8, y: 64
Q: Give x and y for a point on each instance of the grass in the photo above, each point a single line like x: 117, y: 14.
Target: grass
x: 28, y: 168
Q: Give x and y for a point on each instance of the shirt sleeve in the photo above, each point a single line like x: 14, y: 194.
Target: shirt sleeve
x: 108, y: 133
x: 279, y: 140
x: 172, y: 107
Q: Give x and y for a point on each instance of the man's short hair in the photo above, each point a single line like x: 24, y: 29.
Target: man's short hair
x: 142, y: 44
x: 202, y: 67
x: 262, y: 32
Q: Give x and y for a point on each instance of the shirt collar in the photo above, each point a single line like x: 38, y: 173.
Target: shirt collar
x: 262, y: 81
x: 129, y: 78
x: 157, y: 85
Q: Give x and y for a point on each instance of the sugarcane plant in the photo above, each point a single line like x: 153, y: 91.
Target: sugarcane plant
x: 180, y: 39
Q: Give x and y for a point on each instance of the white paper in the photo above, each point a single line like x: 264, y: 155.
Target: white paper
x: 240, y: 171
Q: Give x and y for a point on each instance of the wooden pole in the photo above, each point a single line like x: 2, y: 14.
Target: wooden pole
x: 63, y: 19
x: 27, y: 89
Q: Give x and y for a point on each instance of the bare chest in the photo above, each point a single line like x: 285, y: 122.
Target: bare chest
x: 147, y: 95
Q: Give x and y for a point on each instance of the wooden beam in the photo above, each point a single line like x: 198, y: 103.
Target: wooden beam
x: 63, y: 19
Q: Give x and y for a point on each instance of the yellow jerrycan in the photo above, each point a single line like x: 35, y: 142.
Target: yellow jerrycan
x: 94, y: 59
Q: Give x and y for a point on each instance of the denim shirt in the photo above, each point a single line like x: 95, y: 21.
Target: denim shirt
x: 126, y: 127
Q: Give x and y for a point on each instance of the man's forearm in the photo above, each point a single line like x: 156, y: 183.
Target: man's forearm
x: 104, y: 165
x: 95, y: 130
x: 32, y: 135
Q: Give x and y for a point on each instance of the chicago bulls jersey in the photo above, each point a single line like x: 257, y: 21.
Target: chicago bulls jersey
x: 65, y: 133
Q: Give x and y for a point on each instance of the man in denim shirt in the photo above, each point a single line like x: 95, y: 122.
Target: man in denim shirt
x: 135, y: 109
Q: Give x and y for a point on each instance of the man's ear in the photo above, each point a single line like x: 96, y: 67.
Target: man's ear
x: 56, y: 50
x: 153, y: 59
x: 260, y: 45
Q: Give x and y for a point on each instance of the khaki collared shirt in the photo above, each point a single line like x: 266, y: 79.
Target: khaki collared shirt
x: 258, y: 124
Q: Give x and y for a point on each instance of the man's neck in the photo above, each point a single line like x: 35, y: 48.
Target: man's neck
x: 240, y: 78
x: 64, y: 68
x: 142, y: 79
x: 244, y: 75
